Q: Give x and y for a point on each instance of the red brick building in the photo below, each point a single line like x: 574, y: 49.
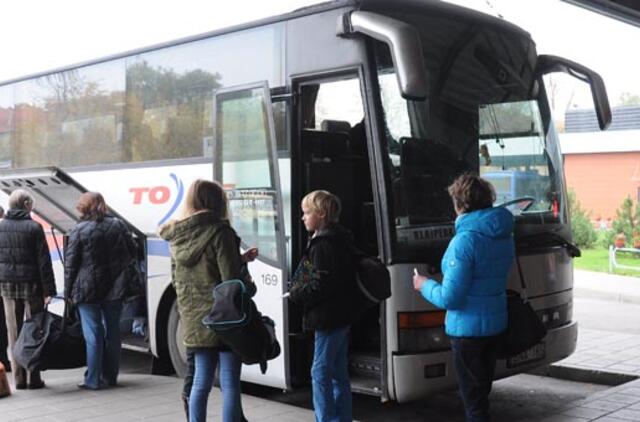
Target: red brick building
x: 602, y: 168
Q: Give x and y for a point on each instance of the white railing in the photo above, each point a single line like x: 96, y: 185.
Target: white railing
x: 613, y: 263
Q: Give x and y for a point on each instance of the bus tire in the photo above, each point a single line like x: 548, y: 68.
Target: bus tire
x: 177, y: 350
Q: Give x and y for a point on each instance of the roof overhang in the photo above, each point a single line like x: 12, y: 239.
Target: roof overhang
x: 627, y: 11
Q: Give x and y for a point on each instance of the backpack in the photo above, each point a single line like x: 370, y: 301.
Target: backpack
x: 237, y: 322
x: 372, y: 278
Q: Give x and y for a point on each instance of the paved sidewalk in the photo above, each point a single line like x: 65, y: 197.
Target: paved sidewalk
x: 138, y: 398
x: 618, y: 404
x: 156, y: 398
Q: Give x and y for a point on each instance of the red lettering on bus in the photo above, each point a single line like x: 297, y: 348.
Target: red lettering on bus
x: 137, y: 194
x: 159, y: 195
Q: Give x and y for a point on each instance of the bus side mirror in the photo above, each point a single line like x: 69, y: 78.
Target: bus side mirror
x: 403, y: 41
x: 549, y: 64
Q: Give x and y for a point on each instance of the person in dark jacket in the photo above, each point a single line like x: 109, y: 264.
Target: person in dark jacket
x: 4, y: 341
x: 99, y: 271
x: 475, y: 267
x: 324, y: 284
x: 26, y: 275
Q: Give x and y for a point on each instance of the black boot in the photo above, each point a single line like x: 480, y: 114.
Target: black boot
x: 185, y: 404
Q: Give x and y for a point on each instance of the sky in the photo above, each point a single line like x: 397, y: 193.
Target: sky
x: 40, y: 35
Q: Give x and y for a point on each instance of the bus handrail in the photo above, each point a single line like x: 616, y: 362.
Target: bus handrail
x: 613, y: 263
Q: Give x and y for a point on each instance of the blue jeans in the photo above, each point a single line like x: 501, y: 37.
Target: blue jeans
x: 206, y: 360
x: 475, y: 360
x: 101, y: 331
x: 330, y: 376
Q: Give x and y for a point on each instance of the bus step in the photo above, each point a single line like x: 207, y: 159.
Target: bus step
x: 368, y: 385
x: 365, y: 365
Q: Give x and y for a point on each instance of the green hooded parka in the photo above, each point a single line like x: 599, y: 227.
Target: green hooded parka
x: 204, y: 253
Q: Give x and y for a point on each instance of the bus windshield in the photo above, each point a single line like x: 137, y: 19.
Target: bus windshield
x: 485, y: 113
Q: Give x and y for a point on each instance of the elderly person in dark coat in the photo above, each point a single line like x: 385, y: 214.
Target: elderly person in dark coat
x: 26, y: 275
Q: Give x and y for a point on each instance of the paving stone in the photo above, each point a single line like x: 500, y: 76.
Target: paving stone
x: 585, y: 412
x: 626, y: 414
x: 604, y: 405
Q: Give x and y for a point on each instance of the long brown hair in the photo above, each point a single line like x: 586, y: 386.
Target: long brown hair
x: 91, y: 206
x: 205, y: 195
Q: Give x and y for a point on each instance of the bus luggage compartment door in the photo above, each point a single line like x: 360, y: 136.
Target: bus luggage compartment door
x: 55, y: 196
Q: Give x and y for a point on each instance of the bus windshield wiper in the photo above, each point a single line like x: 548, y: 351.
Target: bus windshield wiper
x: 573, y: 250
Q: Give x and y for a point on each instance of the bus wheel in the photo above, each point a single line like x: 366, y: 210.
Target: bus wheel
x: 177, y: 350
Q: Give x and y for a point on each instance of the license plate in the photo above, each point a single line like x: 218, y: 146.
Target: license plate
x: 537, y: 352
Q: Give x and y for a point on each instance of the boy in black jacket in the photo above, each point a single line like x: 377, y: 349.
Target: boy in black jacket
x: 324, y: 285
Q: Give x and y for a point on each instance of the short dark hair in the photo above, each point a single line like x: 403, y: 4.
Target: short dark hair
x: 91, y: 206
x: 470, y: 193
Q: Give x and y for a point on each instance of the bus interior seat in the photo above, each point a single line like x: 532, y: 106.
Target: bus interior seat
x: 330, y: 165
x: 427, y: 171
x: 335, y: 126
x: 324, y: 146
x: 337, y: 178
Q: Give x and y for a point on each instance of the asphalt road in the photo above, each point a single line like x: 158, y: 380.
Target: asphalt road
x: 607, y: 315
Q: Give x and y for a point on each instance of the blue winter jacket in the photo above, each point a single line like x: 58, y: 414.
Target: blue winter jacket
x: 475, y: 268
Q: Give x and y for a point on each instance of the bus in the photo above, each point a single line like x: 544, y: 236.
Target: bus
x: 382, y: 103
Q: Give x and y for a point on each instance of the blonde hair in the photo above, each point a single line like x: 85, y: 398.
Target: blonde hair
x: 21, y: 199
x: 205, y: 195
x: 323, y: 202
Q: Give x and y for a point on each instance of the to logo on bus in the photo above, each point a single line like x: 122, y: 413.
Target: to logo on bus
x: 158, y: 195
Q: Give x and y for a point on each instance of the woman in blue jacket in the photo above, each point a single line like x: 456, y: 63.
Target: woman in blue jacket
x: 475, y: 269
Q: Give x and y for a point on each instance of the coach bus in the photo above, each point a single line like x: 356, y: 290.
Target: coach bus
x: 383, y: 103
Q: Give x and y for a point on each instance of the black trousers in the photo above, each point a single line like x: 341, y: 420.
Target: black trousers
x: 474, y: 359
x: 4, y: 340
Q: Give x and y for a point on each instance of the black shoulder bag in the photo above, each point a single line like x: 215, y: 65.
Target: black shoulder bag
x: 524, y: 328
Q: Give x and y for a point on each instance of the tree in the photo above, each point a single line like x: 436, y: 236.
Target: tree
x: 584, y: 235
x: 627, y: 220
x: 627, y: 98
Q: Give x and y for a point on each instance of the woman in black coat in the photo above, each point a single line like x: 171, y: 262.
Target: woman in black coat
x: 26, y: 275
x: 99, y: 275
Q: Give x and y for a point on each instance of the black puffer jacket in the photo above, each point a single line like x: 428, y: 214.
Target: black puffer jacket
x: 24, y: 254
x: 99, y: 260
x: 328, y: 300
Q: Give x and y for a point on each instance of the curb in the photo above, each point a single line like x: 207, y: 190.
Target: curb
x: 582, y: 374
x: 614, y: 296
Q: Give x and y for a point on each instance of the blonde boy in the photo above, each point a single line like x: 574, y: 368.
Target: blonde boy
x: 324, y: 285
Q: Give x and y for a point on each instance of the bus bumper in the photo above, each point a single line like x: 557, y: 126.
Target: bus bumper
x: 418, y: 375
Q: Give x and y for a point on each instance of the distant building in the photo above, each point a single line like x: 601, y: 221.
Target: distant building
x: 602, y: 167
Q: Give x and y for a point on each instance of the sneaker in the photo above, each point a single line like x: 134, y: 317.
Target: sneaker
x: 84, y: 386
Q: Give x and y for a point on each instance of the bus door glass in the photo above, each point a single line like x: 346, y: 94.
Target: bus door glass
x: 245, y: 162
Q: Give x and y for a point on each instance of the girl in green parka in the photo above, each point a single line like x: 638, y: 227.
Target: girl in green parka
x: 205, y: 251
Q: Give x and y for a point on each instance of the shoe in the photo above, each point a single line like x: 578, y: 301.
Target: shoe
x: 21, y: 386
x: 185, y: 405
x: 36, y: 385
x: 83, y: 386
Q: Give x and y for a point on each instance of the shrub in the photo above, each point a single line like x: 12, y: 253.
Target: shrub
x: 584, y: 235
x: 627, y: 220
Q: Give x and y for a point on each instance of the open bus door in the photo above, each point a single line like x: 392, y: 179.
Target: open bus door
x: 56, y: 195
x: 246, y: 163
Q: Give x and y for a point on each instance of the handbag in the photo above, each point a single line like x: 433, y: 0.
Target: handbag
x: 50, y: 341
x: 524, y: 328
x: 237, y: 322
